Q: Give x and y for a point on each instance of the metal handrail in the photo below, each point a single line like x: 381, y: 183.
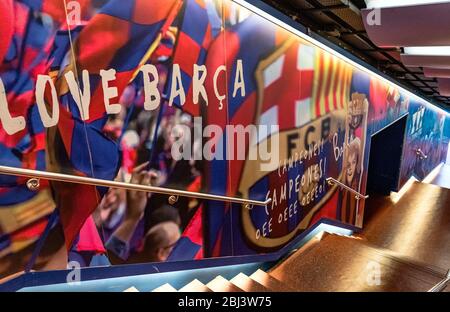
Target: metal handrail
x: 51, y: 176
x: 358, y: 195
x: 439, y: 287
x: 421, y: 154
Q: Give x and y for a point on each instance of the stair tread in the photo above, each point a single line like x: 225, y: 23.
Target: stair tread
x: 131, y: 289
x: 247, y: 284
x: 340, y: 263
x: 195, y: 286
x: 165, y: 288
x: 414, y: 225
x: 221, y: 284
x: 270, y: 282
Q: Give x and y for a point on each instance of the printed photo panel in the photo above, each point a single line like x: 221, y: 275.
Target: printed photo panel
x: 295, y: 101
x: 110, y: 90
x: 324, y: 111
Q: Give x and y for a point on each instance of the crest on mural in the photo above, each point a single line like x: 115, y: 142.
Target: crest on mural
x: 314, y: 124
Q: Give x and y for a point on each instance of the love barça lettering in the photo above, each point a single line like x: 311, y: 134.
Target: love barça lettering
x: 152, y: 97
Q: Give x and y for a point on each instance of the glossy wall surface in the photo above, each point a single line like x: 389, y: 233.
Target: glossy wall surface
x: 327, y: 110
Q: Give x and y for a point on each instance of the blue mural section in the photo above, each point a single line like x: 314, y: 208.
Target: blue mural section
x: 426, y: 141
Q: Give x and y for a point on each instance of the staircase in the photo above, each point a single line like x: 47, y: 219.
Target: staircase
x: 329, y: 263
x: 338, y: 263
x: 404, y: 247
x: 259, y: 281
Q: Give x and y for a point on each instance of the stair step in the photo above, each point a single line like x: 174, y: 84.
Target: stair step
x: 247, y: 284
x: 340, y: 263
x: 195, y: 286
x: 415, y: 226
x: 221, y: 284
x: 270, y: 282
x: 165, y: 288
x: 131, y: 289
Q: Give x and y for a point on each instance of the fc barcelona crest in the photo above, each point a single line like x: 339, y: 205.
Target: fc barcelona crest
x: 313, y: 129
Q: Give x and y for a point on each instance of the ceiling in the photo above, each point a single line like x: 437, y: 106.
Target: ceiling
x: 340, y: 22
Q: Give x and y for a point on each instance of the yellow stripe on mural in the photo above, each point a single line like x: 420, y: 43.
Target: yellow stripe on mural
x: 339, y: 84
x: 316, y: 79
x: 323, y: 90
x: 332, y: 90
x: 15, y: 217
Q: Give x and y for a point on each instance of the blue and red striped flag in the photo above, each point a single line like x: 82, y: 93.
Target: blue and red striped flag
x: 57, y: 8
x: 197, y: 31
x: 122, y: 36
x: 190, y: 244
x: 24, y: 211
x: 199, y: 25
x: 272, y: 60
x: 250, y: 40
x: 6, y: 26
x: 25, y: 59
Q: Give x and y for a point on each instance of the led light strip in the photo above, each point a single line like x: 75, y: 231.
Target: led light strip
x: 378, y: 4
x: 428, y: 51
x: 304, y: 36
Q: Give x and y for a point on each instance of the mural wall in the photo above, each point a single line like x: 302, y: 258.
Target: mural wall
x: 197, y: 95
x: 325, y: 125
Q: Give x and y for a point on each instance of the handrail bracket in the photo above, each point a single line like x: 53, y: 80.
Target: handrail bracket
x: 358, y: 196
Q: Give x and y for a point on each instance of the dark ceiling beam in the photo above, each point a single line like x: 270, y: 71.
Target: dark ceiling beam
x: 326, y: 8
x: 287, y: 8
x: 325, y: 30
x: 343, y: 29
x: 344, y: 24
x: 417, y: 80
x: 353, y: 33
x: 379, y: 64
